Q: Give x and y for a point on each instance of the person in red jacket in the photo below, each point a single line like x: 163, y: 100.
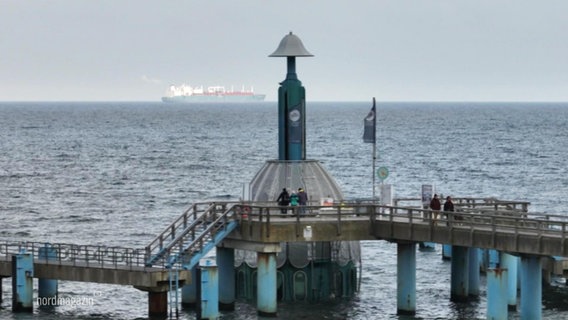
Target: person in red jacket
x: 435, y: 206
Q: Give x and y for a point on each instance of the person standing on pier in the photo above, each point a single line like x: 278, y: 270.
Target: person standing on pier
x: 435, y: 206
x: 283, y: 200
x: 302, y: 200
x: 449, y: 206
x: 294, y: 199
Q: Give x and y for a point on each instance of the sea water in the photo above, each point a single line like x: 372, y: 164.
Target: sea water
x: 118, y: 173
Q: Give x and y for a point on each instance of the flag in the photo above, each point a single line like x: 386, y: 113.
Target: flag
x: 370, y: 124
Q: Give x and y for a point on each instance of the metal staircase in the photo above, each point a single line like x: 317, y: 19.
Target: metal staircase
x: 184, y: 242
x: 188, y: 239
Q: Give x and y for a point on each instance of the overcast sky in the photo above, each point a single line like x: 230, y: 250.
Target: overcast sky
x: 399, y: 50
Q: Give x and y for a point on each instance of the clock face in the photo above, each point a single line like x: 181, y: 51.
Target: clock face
x: 294, y: 115
x: 383, y: 173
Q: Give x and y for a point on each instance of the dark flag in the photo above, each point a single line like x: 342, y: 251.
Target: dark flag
x: 370, y: 123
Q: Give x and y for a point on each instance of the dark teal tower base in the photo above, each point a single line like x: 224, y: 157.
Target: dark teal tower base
x: 318, y: 281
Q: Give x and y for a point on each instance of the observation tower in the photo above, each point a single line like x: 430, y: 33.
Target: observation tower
x: 311, y: 271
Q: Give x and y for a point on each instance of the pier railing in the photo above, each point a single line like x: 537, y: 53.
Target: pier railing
x: 96, y: 256
x: 472, y: 202
x: 481, y: 217
x: 204, y: 224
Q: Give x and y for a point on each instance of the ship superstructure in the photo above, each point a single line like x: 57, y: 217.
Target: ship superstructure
x: 185, y: 93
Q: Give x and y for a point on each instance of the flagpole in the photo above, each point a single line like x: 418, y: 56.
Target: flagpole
x: 374, y: 147
x: 370, y: 136
x: 373, y: 173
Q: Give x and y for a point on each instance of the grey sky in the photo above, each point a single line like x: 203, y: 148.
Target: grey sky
x: 399, y: 50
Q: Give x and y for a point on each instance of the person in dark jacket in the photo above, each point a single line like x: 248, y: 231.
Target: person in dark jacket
x: 302, y: 200
x: 435, y: 206
x: 449, y: 206
x: 283, y: 200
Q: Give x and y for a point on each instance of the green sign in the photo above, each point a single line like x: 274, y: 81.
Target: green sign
x: 382, y: 173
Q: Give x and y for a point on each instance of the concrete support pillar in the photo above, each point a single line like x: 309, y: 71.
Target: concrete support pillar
x: 22, y: 282
x: 266, y: 277
x: 158, y: 304
x: 494, y: 261
x: 209, y: 290
x: 446, y: 252
x: 474, y: 277
x: 406, y: 278
x: 47, y: 288
x: 510, y: 263
x: 189, y: 292
x: 531, y: 288
x: 497, y: 294
x: 460, y: 274
x: 519, y: 267
x: 226, y: 263
x: 483, y: 260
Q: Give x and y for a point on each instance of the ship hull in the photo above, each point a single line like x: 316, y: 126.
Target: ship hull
x: 214, y: 98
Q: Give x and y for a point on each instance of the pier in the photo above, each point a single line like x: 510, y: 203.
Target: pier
x: 166, y: 263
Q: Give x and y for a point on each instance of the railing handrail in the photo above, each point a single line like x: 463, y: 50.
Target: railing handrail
x: 102, y: 256
x: 520, y: 221
x: 217, y: 215
x: 158, y: 240
x: 199, y: 221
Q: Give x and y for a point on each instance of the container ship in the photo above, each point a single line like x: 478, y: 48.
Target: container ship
x: 187, y: 94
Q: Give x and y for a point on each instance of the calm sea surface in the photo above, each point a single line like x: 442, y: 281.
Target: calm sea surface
x: 118, y: 173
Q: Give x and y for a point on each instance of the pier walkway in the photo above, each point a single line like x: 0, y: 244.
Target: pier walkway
x: 486, y: 224
x: 477, y: 223
x: 99, y: 264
